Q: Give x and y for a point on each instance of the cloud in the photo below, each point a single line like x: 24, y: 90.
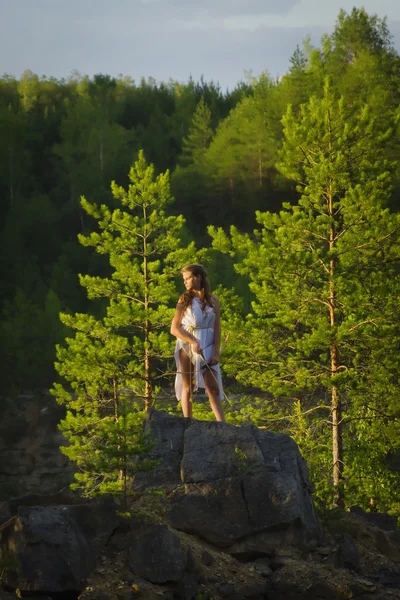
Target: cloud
x: 166, y: 38
x: 230, y: 7
x: 304, y: 13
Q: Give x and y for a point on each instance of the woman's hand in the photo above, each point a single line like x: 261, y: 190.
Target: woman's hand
x: 214, y: 359
x: 196, y: 347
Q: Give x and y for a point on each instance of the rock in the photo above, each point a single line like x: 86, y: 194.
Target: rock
x: 188, y: 586
x: 381, y: 520
x: 255, y: 591
x: 127, y: 595
x: 347, y: 556
x: 54, y: 548
x: 156, y: 554
x: 190, y: 564
x: 312, y: 581
x: 311, y: 546
x: 394, y: 536
x: 240, y: 488
x: 227, y: 590
x: 263, y: 567
x: 101, y: 595
x: 281, y: 561
x: 324, y: 550
x: 327, y: 591
x: 360, y: 588
x: 206, y: 558
x: 385, y: 546
x: 30, y: 458
x: 390, y: 578
x: 317, y: 590
x: 169, y: 432
x: 215, y: 511
x: 62, y: 497
x: 374, y: 596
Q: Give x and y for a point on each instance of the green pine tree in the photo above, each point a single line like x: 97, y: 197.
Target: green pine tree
x: 113, y: 363
x: 325, y: 278
x: 199, y: 136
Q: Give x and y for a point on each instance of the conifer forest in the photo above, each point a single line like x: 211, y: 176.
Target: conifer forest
x: 287, y: 190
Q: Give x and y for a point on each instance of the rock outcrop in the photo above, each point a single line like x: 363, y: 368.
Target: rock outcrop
x: 53, y: 548
x: 30, y: 456
x: 235, y: 520
x: 239, y: 488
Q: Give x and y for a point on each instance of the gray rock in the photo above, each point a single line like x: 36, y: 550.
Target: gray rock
x: 156, y: 555
x: 347, y: 556
x: 206, y: 558
x: 63, y: 497
x: 255, y: 591
x: 390, y: 578
x: 30, y: 456
x: 240, y: 488
x: 324, y: 590
x: 168, y: 431
x: 188, y: 586
x: 359, y: 588
x: 381, y: 520
x: 263, y: 566
x: 215, y: 511
x: 227, y: 590
x: 384, y: 545
x: 127, y: 595
x: 311, y: 546
x: 281, y: 561
x: 54, y: 548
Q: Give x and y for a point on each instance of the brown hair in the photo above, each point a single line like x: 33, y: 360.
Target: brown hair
x: 205, y: 296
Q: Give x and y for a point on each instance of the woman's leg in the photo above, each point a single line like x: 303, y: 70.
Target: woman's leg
x: 212, y: 388
x: 187, y: 385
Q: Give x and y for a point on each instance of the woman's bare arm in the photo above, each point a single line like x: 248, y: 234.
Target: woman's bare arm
x: 178, y: 331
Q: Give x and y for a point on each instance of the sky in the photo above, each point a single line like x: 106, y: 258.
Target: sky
x: 221, y: 40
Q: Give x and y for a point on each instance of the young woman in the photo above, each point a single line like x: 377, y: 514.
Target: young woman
x: 197, y: 327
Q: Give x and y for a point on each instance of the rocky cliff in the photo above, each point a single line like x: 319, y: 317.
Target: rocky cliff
x: 30, y: 458
x: 233, y: 518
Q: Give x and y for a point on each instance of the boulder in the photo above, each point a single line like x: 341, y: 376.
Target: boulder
x: 30, y: 441
x: 381, y: 520
x: 54, y: 548
x: 347, y: 556
x: 239, y: 488
x: 156, y: 554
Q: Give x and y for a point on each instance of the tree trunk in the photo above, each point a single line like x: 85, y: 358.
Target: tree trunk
x: 101, y: 151
x: 148, y: 392
x: 11, y: 171
x: 116, y: 419
x: 336, y: 407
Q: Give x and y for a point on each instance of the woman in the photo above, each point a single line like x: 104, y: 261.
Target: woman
x: 197, y: 327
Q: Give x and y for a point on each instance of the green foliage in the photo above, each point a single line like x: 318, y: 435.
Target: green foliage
x: 105, y: 445
x: 62, y: 139
x: 196, y: 143
x: 28, y: 334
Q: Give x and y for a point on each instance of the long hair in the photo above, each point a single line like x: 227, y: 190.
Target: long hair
x: 205, y: 295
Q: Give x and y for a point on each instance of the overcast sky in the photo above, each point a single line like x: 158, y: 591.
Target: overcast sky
x: 163, y: 39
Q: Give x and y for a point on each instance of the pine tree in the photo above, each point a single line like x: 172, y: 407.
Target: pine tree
x: 324, y: 275
x: 239, y: 163
x: 112, y: 363
x: 199, y: 136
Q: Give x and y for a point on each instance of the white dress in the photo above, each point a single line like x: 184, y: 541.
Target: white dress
x: 201, y: 325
